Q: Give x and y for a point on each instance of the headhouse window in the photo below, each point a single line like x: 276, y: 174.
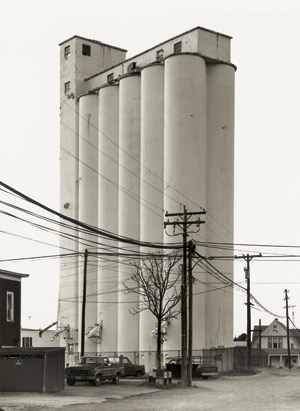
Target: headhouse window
x: 177, y: 47
x: 110, y: 78
x: 86, y: 50
x: 67, y: 52
x: 159, y: 55
x: 67, y: 87
x: 9, y: 306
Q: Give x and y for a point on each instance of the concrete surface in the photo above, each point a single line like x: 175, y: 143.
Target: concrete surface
x: 269, y: 390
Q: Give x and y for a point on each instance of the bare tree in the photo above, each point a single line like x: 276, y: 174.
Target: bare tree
x: 155, y: 279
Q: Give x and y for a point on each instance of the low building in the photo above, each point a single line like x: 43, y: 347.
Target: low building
x: 10, y: 313
x: 37, y: 338
x: 273, y: 340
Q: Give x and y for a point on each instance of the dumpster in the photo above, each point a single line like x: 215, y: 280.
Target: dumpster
x: 32, y: 369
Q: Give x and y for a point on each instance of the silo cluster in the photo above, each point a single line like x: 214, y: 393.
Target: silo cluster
x: 159, y: 138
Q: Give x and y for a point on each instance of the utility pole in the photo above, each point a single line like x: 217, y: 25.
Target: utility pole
x: 248, y: 258
x: 185, y: 223
x: 83, y: 303
x: 287, y: 327
x: 190, y: 325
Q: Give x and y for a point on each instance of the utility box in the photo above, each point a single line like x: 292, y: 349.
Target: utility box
x: 32, y: 369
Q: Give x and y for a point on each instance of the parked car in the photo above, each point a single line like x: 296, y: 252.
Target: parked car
x: 199, y: 368
x: 93, y: 370
x: 136, y: 370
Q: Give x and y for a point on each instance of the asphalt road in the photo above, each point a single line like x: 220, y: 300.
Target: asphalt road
x: 269, y: 390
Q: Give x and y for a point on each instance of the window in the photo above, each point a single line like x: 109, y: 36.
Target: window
x: 275, y: 342
x: 67, y: 87
x: 86, y: 50
x: 110, y: 78
x: 177, y: 47
x: 131, y: 67
x: 9, y: 306
x: 159, y: 55
x: 67, y: 52
x: 27, y: 342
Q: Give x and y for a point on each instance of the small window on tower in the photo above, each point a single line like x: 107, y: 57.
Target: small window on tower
x: 67, y: 87
x: 177, y: 47
x: 159, y: 55
x: 67, y: 52
x: 86, y: 50
x: 110, y: 78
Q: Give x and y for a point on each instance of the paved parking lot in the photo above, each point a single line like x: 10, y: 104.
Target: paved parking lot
x: 269, y: 390
x: 81, y: 393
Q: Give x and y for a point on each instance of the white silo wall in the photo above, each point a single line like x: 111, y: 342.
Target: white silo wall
x: 108, y: 214
x: 185, y: 160
x: 68, y: 290
x: 152, y: 153
x: 220, y: 197
x: 88, y: 205
x: 129, y: 203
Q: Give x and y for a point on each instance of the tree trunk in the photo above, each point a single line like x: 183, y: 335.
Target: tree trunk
x: 158, y: 347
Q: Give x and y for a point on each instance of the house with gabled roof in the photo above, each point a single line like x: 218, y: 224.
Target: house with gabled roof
x: 273, y: 340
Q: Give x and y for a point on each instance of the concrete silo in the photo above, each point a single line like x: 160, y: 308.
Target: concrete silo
x: 185, y: 150
x: 129, y: 202
x: 152, y: 155
x: 220, y: 195
x: 88, y: 205
x: 108, y: 195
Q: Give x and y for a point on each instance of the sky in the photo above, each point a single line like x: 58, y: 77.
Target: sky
x: 265, y: 48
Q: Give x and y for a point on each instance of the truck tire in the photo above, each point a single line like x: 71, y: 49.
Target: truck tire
x: 116, y: 378
x: 71, y: 382
x: 139, y: 373
x: 97, y: 380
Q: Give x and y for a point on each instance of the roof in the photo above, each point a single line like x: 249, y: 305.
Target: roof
x: 92, y: 41
x: 12, y: 274
x: 256, y: 329
x: 159, y: 45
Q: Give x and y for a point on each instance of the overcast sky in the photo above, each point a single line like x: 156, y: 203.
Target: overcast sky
x: 266, y: 50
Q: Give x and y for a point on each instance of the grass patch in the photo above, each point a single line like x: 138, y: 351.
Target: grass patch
x: 239, y: 372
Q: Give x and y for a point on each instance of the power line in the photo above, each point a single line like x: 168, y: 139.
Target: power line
x: 134, y: 159
x: 89, y: 227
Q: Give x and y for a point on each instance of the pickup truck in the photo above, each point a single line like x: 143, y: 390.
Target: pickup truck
x: 93, y: 370
x: 199, y: 367
x: 135, y: 370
